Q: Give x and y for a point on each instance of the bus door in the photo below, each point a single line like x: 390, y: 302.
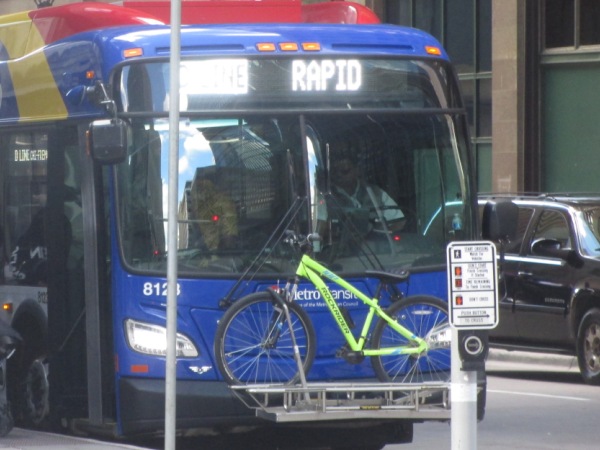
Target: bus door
x: 42, y: 258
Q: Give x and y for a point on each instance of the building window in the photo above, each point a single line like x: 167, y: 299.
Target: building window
x: 571, y: 23
x: 464, y: 28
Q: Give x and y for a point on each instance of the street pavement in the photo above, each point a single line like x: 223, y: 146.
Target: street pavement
x: 21, y: 439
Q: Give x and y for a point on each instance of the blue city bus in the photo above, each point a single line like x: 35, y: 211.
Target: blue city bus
x: 273, y: 117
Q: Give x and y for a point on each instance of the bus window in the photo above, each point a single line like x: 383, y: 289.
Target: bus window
x: 234, y: 189
x: 25, y: 214
x: 26, y: 191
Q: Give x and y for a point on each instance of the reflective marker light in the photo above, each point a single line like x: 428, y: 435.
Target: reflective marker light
x: 131, y: 52
x: 433, y: 50
x: 140, y: 368
x: 311, y: 46
x: 151, y: 339
x: 265, y: 47
x: 288, y: 46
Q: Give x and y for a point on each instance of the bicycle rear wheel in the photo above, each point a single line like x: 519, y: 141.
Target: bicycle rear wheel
x: 253, y: 342
x: 419, y: 314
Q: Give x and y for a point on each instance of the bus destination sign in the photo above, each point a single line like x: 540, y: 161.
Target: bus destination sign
x: 288, y: 83
x: 472, y: 285
x: 232, y: 76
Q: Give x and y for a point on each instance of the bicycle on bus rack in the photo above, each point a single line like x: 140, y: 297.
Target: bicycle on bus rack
x: 267, y: 338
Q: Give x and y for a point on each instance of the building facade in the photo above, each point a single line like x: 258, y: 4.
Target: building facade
x: 528, y: 72
x: 464, y: 27
x: 533, y: 122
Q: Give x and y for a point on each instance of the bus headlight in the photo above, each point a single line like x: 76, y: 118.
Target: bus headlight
x: 152, y: 340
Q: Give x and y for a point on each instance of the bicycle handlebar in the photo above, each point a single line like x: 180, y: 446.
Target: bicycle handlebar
x: 299, y: 239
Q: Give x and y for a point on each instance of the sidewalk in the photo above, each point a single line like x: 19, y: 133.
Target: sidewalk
x: 20, y: 439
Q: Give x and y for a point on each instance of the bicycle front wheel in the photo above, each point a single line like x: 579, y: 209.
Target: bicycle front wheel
x: 253, y: 342
x: 418, y: 314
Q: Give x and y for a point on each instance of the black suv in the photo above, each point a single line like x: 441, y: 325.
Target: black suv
x: 551, y: 274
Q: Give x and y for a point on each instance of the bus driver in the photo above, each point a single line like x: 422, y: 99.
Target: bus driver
x: 351, y: 194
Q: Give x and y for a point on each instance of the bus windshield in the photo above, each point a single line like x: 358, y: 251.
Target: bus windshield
x: 373, y: 178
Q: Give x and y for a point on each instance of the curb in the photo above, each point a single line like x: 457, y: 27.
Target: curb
x: 548, y: 359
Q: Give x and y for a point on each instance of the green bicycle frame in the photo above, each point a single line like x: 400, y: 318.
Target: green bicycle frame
x: 315, y: 272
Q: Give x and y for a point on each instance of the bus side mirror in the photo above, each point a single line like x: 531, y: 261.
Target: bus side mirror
x: 108, y: 140
x: 499, y: 220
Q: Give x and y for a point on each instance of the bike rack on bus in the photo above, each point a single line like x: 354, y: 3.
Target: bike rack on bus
x: 339, y: 401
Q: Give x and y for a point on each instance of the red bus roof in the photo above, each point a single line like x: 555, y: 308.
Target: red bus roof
x: 259, y: 11
x: 57, y: 22
x: 54, y: 23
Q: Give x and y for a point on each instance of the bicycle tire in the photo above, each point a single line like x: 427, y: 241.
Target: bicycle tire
x: 419, y: 314
x: 242, y: 351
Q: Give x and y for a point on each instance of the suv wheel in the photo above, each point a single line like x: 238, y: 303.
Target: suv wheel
x: 588, y: 346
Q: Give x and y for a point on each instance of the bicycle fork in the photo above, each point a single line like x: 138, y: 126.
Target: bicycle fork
x: 283, y: 303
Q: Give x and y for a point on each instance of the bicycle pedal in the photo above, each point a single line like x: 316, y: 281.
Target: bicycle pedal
x: 349, y: 356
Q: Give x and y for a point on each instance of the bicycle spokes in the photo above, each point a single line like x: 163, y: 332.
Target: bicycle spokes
x: 256, y: 344
x: 439, y: 337
x: 426, y: 318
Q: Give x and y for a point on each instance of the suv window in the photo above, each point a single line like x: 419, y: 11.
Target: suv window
x: 553, y: 225
x: 525, y: 215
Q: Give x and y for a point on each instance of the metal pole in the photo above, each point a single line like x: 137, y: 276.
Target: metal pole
x: 171, y: 361
x: 463, y: 397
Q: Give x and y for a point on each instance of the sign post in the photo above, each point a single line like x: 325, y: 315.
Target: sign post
x: 473, y: 306
x: 171, y: 359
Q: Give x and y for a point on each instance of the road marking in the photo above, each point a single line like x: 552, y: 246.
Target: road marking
x: 562, y: 397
